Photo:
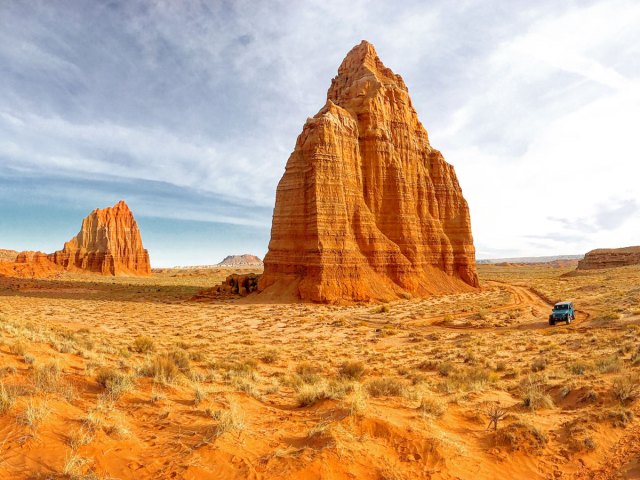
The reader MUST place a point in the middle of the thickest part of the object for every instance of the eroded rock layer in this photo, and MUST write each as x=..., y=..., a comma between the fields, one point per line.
x=109, y=243
x=610, y=257
x=366, y=208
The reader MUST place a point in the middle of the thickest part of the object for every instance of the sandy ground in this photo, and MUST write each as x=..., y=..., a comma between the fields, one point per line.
x=131, y=378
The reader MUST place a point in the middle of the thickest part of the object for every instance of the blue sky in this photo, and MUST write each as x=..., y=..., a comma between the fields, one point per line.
x=189, y=110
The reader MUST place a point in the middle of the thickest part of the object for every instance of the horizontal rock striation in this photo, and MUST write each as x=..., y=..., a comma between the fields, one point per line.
x=609, y=258
x=366, y=208
x=108, y=243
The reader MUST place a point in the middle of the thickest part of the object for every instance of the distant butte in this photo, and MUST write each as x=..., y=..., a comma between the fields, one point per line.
x=109, y=243
x=610, y=258
x=366, y=208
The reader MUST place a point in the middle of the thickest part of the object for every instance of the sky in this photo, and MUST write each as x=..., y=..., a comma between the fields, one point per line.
x=188, y=111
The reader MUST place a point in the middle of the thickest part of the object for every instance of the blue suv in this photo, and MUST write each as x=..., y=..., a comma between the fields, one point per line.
x=562, y=312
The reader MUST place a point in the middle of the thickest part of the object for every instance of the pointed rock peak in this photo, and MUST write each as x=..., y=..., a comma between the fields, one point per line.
x=362, y=55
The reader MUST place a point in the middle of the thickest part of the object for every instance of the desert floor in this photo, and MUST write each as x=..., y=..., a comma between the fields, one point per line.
x=131, y=378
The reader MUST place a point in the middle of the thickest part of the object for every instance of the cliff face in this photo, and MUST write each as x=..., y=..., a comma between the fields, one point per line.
x=109, y=243
x=366, y=208
x=610, y=257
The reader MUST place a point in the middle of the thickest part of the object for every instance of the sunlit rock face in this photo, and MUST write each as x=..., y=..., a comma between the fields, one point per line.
x=109, y=243
x=366, y=208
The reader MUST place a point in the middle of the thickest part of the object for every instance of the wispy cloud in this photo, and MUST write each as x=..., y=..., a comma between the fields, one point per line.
x=198, y=104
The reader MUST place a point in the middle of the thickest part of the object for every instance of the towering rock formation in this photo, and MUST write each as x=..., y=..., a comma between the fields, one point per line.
x=610, y=257
x=366, y=208
x=109, y=243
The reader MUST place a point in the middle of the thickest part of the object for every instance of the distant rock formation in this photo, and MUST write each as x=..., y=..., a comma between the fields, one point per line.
x=29, y=264
x=233, y=286
x=366, y=208
x=109, y=243
x=610, y=257
x=8, y=255
x=245, y=260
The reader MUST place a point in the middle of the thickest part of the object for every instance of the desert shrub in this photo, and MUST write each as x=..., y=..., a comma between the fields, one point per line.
x=29, y=359
x=534, y=396
x=162, y=368
x=46, y=378
x=522, y=436
x=501, y=366
x=310, y=394
x=580, y=368
x=269, y=356
x=431, y=406
x=446, y=368
x=610, y=364
x=358, y=401
x=180, y=358
x=228, y=420
x=116, y=383
x=199, y=394
x=539, y=364
x=7, y=398
x=385, y=387
x=620, y=417
x=589, y=396
x=18, y=348
x=143, y=344
x=34, y=413
x=626, y=387
x=308, y=372
x=353, y=370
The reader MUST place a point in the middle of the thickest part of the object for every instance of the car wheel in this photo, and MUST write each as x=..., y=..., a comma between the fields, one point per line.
x=568, y=320
x=552, y=323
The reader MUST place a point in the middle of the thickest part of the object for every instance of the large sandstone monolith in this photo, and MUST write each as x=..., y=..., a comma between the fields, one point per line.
x=366, y=208
x=109, y=243
x=609, y=258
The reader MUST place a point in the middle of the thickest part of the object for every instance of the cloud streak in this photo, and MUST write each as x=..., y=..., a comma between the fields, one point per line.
x=192, y=108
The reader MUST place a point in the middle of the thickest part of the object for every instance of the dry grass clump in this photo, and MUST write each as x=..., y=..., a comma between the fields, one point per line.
x=269, y=356
x=626, y=387
x=228, y=420
x=143, y=344
x=358, y=401
x=80, y=437
x=308, y=394
x=46, y=378
x=166, y=368
x=7, y=398
x=116, y=383
x=522, y=436
x=610, y=364
x=468, y=379
x=306, y=373
x=431, y=406
x=19, y=347
x=539, y=364
x=353, y=370
x=620, y=417
x=580, y=368
x=34, y=413
x=534, y=396
x=385, y=387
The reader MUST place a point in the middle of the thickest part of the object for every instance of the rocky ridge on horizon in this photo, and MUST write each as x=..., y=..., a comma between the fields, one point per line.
x=245, y=260
x=366, y=208
x=610, y=258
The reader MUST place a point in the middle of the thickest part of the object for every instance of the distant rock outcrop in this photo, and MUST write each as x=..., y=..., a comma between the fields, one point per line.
x=245, y=260
x=109, y=243
x=8, y=255
x=366, y=208
x=610, y=257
